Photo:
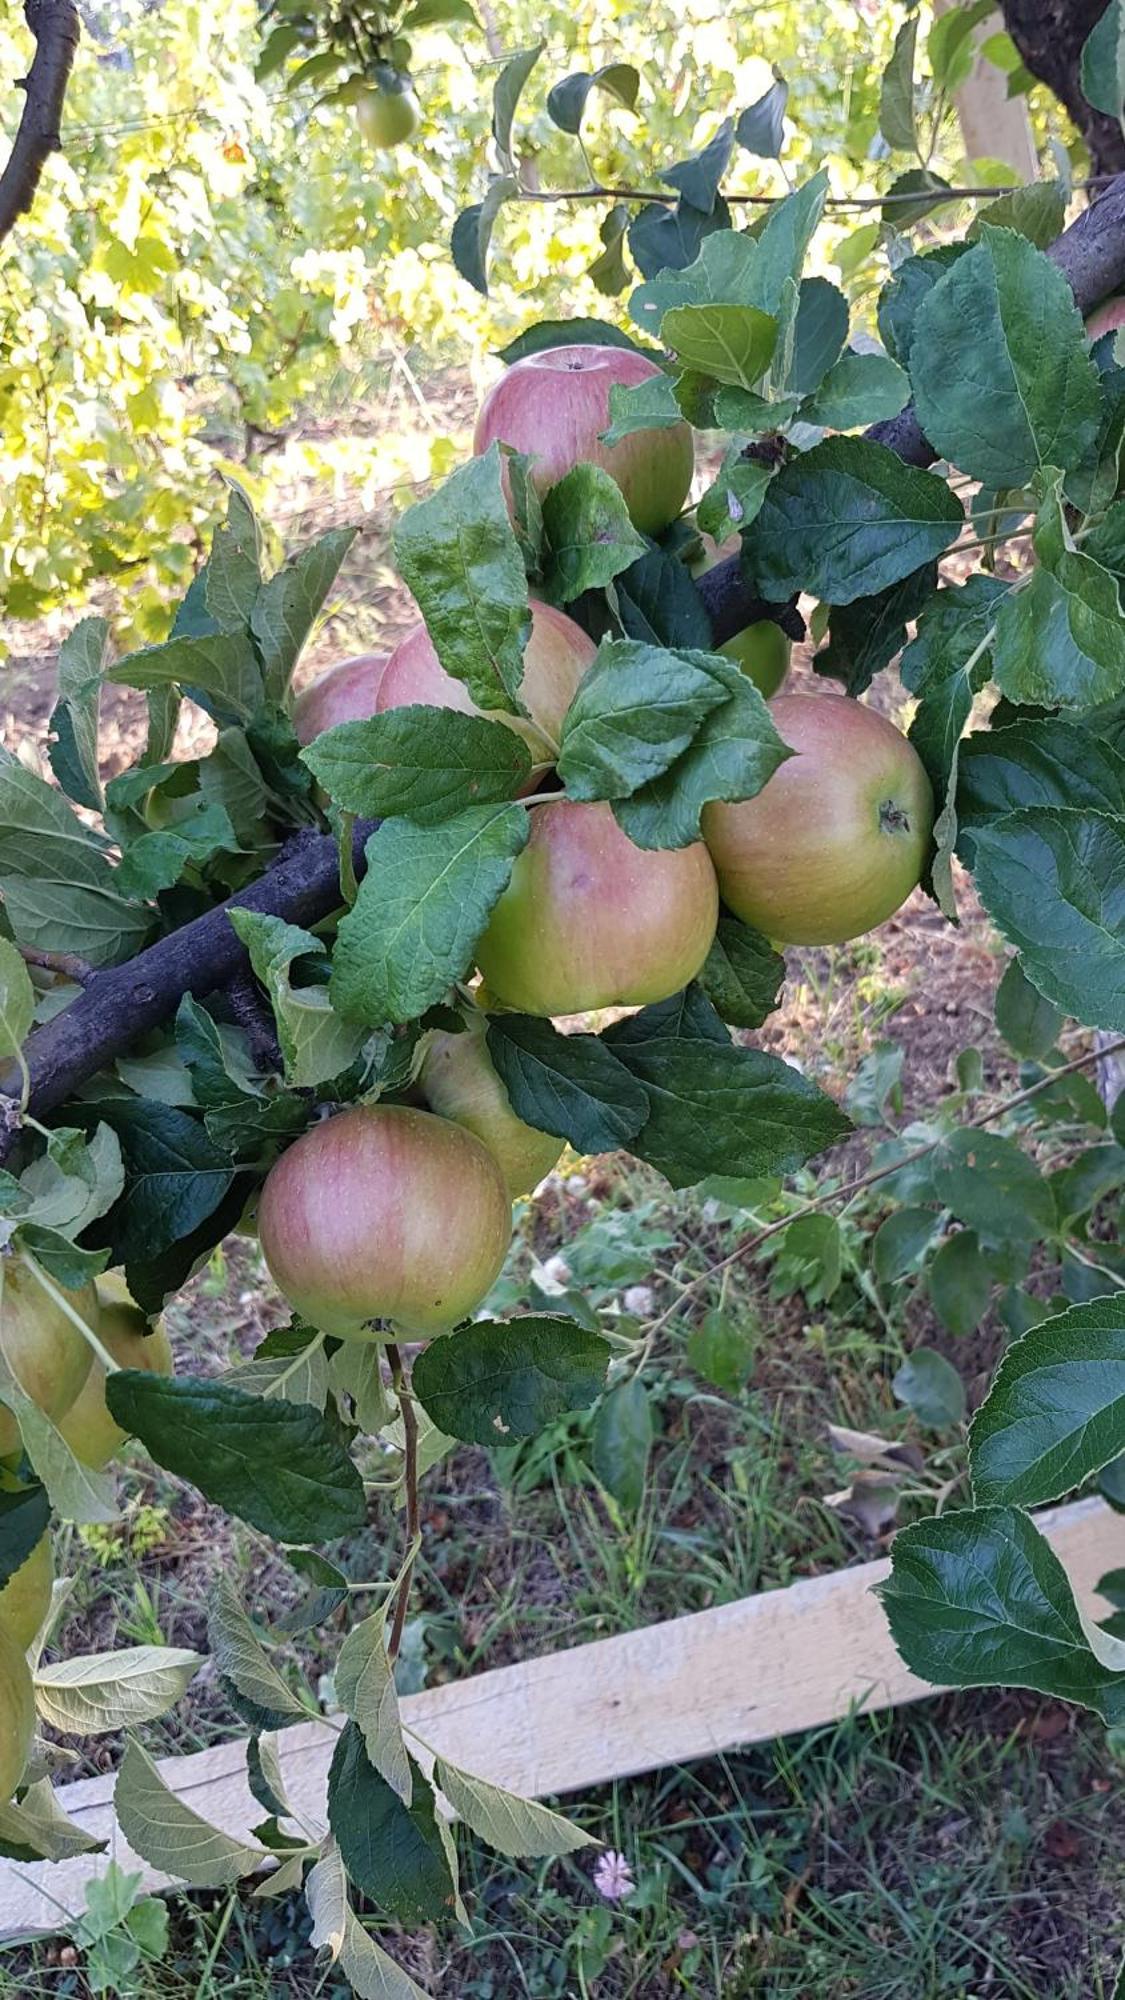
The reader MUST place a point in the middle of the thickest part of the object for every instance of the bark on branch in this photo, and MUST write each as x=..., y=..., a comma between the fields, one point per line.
x=54, y=23
x=122, y=1004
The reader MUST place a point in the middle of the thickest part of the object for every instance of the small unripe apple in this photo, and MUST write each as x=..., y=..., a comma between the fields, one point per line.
x=458, y=1081
x=388, y=1213
x=555, y=405
x=122, y=1328
x=26, y=1597
x=388, y=113
x=556, y=656
x=17, y=1714
x=762, y=649
x=837, y=838
x=43, y=1348
x=346, y=693
x=1106, y=318
x=589, y=920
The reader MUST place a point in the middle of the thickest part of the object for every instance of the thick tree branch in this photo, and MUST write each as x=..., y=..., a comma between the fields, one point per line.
x=1049, y=35
x=54, y=23
x=122, y=1004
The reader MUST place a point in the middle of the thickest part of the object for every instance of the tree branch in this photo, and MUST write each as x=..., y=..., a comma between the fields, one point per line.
x=54, y=23
x=127, y=1001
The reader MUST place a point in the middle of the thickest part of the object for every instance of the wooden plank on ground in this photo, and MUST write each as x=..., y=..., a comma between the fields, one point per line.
x=742, y=1673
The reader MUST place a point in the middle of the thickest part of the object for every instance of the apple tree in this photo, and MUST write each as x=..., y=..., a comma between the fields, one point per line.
x=320, y=983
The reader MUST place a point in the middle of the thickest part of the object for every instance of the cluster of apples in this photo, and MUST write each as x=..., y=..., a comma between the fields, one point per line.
x=56, y=1368
x=403, y=1215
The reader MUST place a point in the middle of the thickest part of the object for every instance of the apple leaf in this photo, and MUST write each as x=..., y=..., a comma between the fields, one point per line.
x=571, y=1085
x=590, y=538
x=645, y=406
x=1055, y=1413
x=510, y=1824
x=1050, y=879
x=498, y=1380
x=421, y=907
x=24, y=1517
x=165, y=1832
x=1060, y=638
x=392, y=1852
x=732, y=344
x=1002, y=376
x=858, y=389
x=424, y=764
x=991, y=1185
x=743, y=974
x=735, y=751
x=276, y=1464
x=1037, y=761
x=847, y=519
x=978, y=1598
x=946, y=665
x=637, y=709
x=458, y=553
x=717, y=1109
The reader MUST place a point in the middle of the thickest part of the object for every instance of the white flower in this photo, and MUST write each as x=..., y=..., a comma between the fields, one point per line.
x=613, y=1877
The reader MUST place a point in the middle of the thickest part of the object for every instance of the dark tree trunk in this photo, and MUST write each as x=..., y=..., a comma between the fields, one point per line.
x=1049, y=35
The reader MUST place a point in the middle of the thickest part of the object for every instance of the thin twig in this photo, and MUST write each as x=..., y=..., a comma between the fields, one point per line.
x=410, y=1476
x=66, y=963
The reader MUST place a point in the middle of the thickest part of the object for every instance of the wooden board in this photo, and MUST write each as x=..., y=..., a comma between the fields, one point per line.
x=742, y=1673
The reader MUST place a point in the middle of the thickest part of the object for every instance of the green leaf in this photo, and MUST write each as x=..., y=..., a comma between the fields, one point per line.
x=424, y=764
x=819, y=334
x=760, y=129
x=621, y=1442
x=697, y=180
x=590, y=538
x=609, y=271
x=568, y=333
x=912, y=196
x=847, y=519
x=1060, y=638
x=717, y=1109
x=992, y=1186
x=566, y=101
x=946, y=665
x=1037, y=212
x=901, y=297
x=960, y=1283
x=743, y=974
x=901, y=1242
x=896, y=96
x=242, y=1660
x=721, y=1349
x=651, y=405
x=232, y=576
x=637, y=709
x=864, y=637
x=24, y=1518
x=221, y=669
x=504, y=1821
x=364, y=1683
x=978, y=1598
x=458, y=554
x=735, y=751
x=1028, y=1023
x=471, y=236
x=94, y=1694
x=39, y=1825
x=571, y=1085
x=392, y=1852
x=657, y=601
x=782, y=243
x=17, y=1001
x=1102, y=68
x=810, y=1259
x=499, y=1380
x=733, y=344
x=506, y=94
x=165, y=1831
x=1055, y=1413
x=175, y=1177
x=316, y=1045
x=858, y=389
x=57, y=884
x=370, y=1973
x=74, y=719
x=288, y=606
x=1050, y=878
x=438, y=14
x=157, y=860
x=422, y=905
x=930, y=1386
x=733, y=501
x=1027, y=366
x=1037, y=761
x=278, y=1465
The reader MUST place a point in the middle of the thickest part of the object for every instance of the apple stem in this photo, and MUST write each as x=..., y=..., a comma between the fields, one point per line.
x=410, y=1476
x=60, y=1299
